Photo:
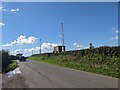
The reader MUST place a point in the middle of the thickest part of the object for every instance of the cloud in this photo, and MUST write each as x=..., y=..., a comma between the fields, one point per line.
x=86, y=47
x=78, y=46
x=23, y=40
x=2, y=24
x=24, y=51
x=6, y=45
x=14, y=10
x=9, y=10
x=3, y=9
x=115, y=38
x=48, y=46
x=116, y=31
x=44, y=46
x=15, y=51
x=33, y=49
x=74, y=44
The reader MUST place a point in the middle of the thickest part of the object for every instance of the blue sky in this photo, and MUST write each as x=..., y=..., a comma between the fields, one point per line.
x=83, y=23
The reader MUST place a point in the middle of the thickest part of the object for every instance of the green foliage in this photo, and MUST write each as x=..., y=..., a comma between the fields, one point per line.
x=102, y=60
x=5, y=59
x=11, y=66
x=12, y=57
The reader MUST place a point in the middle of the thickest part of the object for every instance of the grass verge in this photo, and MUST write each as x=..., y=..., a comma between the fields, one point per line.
x=103, y=69
x=11, y=66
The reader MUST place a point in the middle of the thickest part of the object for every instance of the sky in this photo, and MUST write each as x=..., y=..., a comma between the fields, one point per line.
x=25, y=23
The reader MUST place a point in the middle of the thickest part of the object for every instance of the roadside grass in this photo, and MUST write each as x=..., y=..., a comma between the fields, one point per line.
x=11, y=66
x=105, y=68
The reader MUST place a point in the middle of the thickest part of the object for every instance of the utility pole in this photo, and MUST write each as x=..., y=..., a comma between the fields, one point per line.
x=32, y=52
x=40, y=46
x=62, y=34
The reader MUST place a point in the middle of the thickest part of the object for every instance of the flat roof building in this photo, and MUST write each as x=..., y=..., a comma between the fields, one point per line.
x=58, y=49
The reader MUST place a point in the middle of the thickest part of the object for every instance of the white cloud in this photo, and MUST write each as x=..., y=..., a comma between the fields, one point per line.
x=86, y=47
x=116, y=31
x=78, y=46
x=48, y=46
x=35, y=49
x=6, y=45
x=3, y=9
x=9, y=10
x=23, y=40
x=44, y=46
x=17, y=51
x=25, y=50
x=14, y=42
x=2, y=24
x=14, y=10
x=74, y=44
x=115, y=38
x=31, y=49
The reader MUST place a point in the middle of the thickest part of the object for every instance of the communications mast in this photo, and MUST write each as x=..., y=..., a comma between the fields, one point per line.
x=62, y=35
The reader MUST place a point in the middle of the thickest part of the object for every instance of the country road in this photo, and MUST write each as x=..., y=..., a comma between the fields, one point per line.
x=0, y=81
x=40, y=75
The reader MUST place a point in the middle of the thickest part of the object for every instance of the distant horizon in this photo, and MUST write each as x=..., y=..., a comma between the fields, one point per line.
x=24, y=24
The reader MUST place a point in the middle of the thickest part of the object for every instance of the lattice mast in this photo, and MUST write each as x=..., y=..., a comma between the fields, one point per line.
x=62, y=35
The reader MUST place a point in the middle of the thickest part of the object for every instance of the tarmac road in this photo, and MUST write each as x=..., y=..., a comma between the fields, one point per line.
x=40, y=75
x=0, y=81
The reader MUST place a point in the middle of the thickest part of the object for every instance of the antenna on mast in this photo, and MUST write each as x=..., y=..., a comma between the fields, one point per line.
x=60, y=48
x=62, y=34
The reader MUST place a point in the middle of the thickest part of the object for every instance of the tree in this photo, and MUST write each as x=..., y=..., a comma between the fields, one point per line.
x=5, y=59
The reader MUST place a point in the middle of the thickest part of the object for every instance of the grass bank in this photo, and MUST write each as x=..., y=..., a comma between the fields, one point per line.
x=11, y=66
x=101, y=60
x=95, y=64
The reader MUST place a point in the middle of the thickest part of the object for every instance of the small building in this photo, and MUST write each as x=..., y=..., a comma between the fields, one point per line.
x=58, y=49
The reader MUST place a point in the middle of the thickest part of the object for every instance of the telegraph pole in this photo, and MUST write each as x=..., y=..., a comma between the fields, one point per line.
x=32, y=52
x=40, y=46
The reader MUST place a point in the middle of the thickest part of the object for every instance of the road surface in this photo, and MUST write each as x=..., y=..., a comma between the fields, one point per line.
x=40, y=75
x=0, y=81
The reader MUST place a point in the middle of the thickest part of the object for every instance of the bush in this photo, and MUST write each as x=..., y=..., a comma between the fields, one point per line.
x=5, y=59
x=11, y=66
